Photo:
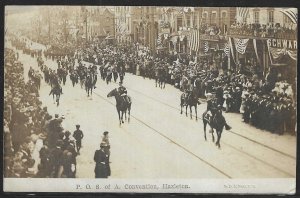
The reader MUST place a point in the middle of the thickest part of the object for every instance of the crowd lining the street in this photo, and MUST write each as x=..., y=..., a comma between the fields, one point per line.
x=265, y=102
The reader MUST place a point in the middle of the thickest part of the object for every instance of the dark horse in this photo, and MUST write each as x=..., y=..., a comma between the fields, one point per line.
x=89, y=84
x=216, y=122
x=190, y=100
x=123, y=104
x=56, y=91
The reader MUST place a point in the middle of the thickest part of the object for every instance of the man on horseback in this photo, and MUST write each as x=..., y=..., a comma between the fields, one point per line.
x=214, y=109
x=123, y=92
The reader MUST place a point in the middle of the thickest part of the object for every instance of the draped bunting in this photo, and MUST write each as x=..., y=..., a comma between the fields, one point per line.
x=205, y=46
x=241, y=45
x=159, y=39
x=226, y=49
x=279, y=52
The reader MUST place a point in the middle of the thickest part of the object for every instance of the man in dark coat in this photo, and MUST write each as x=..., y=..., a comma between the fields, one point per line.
x=78, y=135
x=100, y=157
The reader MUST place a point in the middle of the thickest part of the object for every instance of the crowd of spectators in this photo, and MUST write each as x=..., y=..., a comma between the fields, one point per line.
x=35, y=144
x=24, y=119
x=270, y=30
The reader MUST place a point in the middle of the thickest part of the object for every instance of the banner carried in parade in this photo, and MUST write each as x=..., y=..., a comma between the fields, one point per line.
x=241, y=45
x=281, y=47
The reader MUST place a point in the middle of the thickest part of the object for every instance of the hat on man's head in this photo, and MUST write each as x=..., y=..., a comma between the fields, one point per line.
x=105, y=132
x=77, y=125
x=56, y=115
x=103, y=144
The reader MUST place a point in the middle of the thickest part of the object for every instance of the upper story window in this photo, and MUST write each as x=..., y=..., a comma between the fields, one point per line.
x=179, y=23
x=271, y=16
x=256, y=17
x=214, y=18
x=205, y=16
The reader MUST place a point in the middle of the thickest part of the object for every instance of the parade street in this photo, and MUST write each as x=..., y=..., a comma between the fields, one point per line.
x=159, y=142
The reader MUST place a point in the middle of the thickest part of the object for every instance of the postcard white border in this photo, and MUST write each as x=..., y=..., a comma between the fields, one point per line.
x=244, y=186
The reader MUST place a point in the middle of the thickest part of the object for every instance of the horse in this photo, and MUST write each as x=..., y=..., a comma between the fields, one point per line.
x=216, y=122
x=56, y=91
x=89, y=84
x=122, y=104
x=190, y=100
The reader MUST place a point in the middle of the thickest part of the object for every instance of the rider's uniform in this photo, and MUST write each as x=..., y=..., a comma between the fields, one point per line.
x=123, y=92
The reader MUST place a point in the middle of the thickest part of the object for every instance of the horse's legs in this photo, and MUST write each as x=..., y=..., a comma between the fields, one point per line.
x=186, y=110
x=53, y=98
x=191, y=111
x=204, y=124
x=219, y=133
x=181, y=107
x=119, y=117
x=196, y=112
x=129, y=113
x=57, y=99
x=122, y=116
x=212, y=134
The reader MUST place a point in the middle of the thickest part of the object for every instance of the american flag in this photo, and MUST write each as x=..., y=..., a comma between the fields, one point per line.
x=242, y=14
x=194, y=41
x=292, y=13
